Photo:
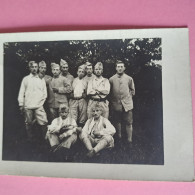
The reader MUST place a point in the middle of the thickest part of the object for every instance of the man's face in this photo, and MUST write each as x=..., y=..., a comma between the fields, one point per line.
x=64, y=68
x=120, y=68
x=56, y=71
x=96, y=113
x=34, y=68
x=80, y=73
x=89, y=70
x=98, y=71
x=63, y=113
x=42, y=69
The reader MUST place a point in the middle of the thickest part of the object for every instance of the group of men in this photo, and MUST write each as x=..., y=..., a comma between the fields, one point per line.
x=66, y=108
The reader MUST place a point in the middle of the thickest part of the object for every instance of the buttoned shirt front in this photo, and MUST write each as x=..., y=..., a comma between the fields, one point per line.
x=98, y=85
x=68, y=76
x=79, y=87
x=103, y=125
x=32, y=92
x=87, y=78
x=122, y=91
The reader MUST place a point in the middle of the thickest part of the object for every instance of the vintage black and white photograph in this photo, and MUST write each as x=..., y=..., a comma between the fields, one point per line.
x=97, y=101
x=110, y=104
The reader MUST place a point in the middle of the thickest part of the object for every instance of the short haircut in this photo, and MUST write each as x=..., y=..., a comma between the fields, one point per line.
x=63, y=107
x=97, y=106
x=119, y=62
x=81, y=67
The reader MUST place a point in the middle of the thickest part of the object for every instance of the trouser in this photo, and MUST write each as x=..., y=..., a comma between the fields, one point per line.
x=78, y=110
x=126, y=118
x=103, y=104
x=97, y=143
x=33, y=115
x=53, y=113
x=66, y=142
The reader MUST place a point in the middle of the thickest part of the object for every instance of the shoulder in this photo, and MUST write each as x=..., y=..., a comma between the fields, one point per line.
x=48, y=77
x=70, y=76
x=26, y=78
x=105, y=79
x=113, y=77
x=56, y=120
x=128, y=77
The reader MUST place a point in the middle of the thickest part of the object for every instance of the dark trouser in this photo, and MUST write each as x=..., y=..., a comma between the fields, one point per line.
x=126, y=118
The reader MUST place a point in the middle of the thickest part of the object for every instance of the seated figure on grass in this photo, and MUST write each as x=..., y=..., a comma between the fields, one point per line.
x=62, y=133
x=97, y=133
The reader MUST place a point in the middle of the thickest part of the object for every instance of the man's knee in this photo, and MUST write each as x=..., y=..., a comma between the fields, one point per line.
x=108, y=138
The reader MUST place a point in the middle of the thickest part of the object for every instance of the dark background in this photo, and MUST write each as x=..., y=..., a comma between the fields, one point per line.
x=142, y=58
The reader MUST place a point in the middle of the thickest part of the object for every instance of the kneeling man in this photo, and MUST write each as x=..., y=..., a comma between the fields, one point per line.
x=97, y=133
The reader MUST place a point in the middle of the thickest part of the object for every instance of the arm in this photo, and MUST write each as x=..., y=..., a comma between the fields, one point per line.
x=44, y=90
x=108, y=129
x=67, y=88
x=106, y=89
x=132, y=87
x=21, y=93
x=54, y=127
x=71, y=129
x=90, y=90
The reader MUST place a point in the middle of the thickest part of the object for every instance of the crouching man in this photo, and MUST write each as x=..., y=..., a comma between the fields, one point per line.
x=62, y=134
x=97, y=133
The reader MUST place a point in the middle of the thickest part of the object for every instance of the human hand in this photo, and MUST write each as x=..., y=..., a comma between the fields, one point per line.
x=79, y=129
x=21, y=109
x=61, y=136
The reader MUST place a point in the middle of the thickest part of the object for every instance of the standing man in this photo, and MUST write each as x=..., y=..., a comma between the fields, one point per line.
x=89, y=70
x=97, y=90
x=64, y=71
x=122, y=91
x=58, y=89
x=42, y=75
x=42, y=71
x=31, y=98
x=78, y=103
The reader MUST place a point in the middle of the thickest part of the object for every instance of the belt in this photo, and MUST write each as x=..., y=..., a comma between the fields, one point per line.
x=98, y=99
x=76, y=98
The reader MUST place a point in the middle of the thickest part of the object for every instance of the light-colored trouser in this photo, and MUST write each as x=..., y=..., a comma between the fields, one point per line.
x=31, y=114
x=103, y=104
x=97, y=144
x=78, y=110
x=66, y=142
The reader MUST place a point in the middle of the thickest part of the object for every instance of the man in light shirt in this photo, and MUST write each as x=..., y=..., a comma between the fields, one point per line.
x=64, y=71
x=78, y=103
x=97, y=133
x=31, y=98
x=89, y=72
x=62, y=134
x=122, y=92
x=58, y=89
x=97, y=90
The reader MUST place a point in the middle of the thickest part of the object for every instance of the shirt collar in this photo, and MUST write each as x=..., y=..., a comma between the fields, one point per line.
x=119, y=76
x=31, y=75
x=98, y=79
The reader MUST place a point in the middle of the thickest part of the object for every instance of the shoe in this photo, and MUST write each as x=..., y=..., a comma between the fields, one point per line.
x=91, y=153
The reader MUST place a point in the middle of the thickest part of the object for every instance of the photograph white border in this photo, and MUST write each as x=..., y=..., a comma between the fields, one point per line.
x=177, y=112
